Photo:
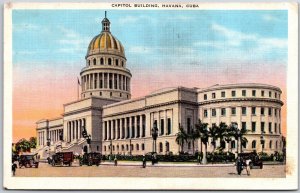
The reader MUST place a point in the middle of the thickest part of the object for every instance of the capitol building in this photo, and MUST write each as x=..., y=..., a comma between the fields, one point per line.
x=118, y=124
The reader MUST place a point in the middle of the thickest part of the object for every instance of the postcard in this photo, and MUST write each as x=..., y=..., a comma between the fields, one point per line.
x=152, y=96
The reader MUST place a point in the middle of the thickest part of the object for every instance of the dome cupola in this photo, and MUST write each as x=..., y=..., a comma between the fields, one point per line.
x=105, y=74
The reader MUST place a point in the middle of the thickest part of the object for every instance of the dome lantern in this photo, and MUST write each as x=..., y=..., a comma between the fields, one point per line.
x=105, y=24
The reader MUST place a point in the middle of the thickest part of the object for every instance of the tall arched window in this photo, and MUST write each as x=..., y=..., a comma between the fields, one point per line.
x=143, y=146
x=127, y=147
x=117, y=62
x=137, y=147
x=101, y=61
x=89, y=62
x=253, y=144
x=117, y=147
x=122, y=63
x=109, y=61
x=276, y=145
x=104, y=148
x=167, y=146
x=270, y=144
x=122, y=147
x=113, y=148
x=160, y=147
x=94, y=61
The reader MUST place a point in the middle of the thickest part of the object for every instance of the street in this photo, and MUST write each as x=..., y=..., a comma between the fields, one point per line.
x=134, y=169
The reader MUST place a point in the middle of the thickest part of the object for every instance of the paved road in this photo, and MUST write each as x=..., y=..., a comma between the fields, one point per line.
x=161, y=170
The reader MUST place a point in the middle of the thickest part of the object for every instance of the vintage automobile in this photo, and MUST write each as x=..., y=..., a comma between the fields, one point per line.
x=29, y=160
x=255, y=160
x=92, y=158
x=62, y=158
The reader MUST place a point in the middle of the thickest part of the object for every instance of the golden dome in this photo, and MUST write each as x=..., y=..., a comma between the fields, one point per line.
x=105, y=41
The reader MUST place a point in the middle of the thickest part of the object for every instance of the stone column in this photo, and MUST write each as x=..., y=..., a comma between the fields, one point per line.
x=125, y=123
x=136, y=126
x=102, y=80
x=98, y=80
x=121, y=128
x=113, y=80
x=107, y=80
x=118, y=82
x=125, y=83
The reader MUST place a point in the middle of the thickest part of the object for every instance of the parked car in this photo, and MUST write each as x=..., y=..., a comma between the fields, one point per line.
x=29, y=160
x=92, y=158
x=62, y=158
x=255, y=160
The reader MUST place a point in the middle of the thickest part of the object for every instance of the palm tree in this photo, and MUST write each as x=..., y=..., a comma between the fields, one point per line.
x=181, y=137
x=213, y=134
x=228, y=136
x=32, y=142
x=23, y=145
x=239, y=133
x=193, y=136
x=221, y=133
x=201, y=128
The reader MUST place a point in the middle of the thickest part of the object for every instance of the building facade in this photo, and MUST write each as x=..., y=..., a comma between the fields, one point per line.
x=118, y=124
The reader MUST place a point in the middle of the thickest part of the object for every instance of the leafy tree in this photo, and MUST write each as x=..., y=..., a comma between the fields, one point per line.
x=181, y=137
x=221, y=131
x=213, y=134
x=23, y=145
x=228, y=136
x=193, y=136
x=33, y=142
x=201, y=128
x=236, y=133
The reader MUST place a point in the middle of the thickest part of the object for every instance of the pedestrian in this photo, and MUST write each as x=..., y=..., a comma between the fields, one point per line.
x=239, y=165
x=248, y=161
x=116, y=161
x=199, y=159
x=14, y=168
x=144, y=161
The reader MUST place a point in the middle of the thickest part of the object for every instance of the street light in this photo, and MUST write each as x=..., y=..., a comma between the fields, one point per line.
x=237, y=137
x=262, y=142
x=48, y=144
x=154, y=133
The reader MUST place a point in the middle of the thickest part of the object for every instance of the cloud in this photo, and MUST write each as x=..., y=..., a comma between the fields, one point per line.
x=25, y=27
x=270, y=18
x=235, y=37
x=128, y=19
x=72, y=41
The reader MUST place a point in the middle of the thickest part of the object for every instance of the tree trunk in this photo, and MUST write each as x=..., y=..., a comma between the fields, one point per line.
x=204, y=160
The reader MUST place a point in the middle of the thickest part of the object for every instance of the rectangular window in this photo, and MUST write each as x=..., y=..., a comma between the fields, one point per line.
x=270, y=127
x=275, y=128
x=253, y=92
x=233, y=111
x=162, y=127
x=169, y=126
x=205, y=113
x=188, y=123
x=262, y=110
x=233, y=93
x=270, y=94
x=275, y=112
x=262, y=127
x=275, y=94
x=244, y=126
x=213, y=95
x=213, y=112
x=253, y=110
x=223, y=111
x=223, y=94
x=253, y=126
x=244, y=110
x=262, y=93
x=205, y=96
x=270, y=111
x=243, y=92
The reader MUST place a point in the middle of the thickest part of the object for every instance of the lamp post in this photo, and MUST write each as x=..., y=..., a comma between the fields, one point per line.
x=48, y=144
x=237, y=137
x=154, y=133
x=262, y=142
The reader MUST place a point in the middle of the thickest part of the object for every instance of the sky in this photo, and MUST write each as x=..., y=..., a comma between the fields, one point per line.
x=191, y=48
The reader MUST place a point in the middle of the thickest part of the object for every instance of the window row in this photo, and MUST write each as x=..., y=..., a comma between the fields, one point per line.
x=105, y=61
x=125, y=147
x=253, y=110
x=105, y=80
x=41, y=138
x=252, y=93
x=164, y=127
x=254, y=144
x=129, y=127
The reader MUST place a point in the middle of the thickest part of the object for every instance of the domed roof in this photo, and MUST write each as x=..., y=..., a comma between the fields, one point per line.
x=105, y=41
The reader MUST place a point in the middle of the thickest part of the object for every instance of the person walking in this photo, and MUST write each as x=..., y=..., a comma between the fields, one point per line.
x=239, y=165
x=144, y=161
x=116, y=161
x=14, y=168
x=248, y=161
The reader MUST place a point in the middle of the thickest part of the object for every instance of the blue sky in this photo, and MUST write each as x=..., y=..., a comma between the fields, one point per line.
x=153, y=38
